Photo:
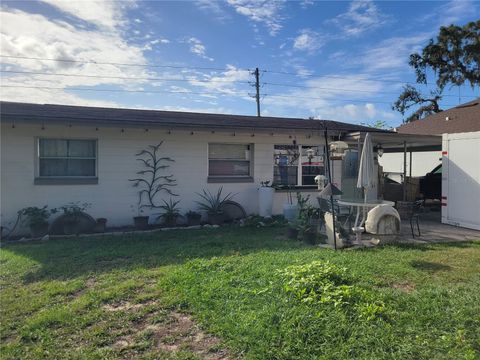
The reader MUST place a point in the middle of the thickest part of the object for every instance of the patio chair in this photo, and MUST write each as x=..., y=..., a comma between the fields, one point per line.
x=342, y=213
x=417, y=209
x=412, y=212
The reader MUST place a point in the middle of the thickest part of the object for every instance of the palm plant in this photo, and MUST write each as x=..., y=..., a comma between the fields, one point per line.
x=212, y=204
x=171, y=212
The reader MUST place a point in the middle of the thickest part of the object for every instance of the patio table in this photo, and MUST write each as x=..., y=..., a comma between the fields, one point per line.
x=362, y=207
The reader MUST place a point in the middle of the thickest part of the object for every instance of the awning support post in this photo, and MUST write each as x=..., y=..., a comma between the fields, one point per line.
x=404, y=171
x=410, y=168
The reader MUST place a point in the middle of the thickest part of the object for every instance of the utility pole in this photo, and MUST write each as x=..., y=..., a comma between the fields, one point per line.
x=256, y=73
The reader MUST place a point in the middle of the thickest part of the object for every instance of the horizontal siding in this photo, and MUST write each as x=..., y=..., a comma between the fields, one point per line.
x=113, y=196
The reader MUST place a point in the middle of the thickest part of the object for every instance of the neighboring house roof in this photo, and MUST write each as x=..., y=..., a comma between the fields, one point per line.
x=462, y=118
x=18, y=112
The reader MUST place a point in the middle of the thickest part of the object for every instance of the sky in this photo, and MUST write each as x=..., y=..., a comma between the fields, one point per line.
x=338, y=60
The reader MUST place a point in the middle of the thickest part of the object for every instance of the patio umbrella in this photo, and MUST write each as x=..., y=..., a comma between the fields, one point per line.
x=366, y=169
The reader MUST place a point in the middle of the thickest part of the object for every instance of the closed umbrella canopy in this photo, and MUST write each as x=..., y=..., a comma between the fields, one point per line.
x=366, y=169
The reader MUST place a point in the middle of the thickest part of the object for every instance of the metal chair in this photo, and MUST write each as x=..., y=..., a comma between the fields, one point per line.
x=341, y=212
x=417, y=209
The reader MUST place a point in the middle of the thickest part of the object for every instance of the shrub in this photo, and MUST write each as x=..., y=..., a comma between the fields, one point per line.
x=322, y=283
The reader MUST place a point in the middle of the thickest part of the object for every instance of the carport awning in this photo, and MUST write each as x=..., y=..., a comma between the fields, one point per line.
x=395, y=142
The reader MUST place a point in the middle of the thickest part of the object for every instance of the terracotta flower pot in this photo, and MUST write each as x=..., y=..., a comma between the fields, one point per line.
x=194, y=220
x=310, y=237
x=100, y=226
x=292, y=233
x=39, y=230
x=140, y=222
x=216, y=218
x=170, y=221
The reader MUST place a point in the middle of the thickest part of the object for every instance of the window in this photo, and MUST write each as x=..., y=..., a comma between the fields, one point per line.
x=296, y=165
x=61, y=158
x=229, y=161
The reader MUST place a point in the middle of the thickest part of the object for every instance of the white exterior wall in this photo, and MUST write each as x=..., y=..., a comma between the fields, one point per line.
x=422, y=162
x=461, y=180
x=113, y=196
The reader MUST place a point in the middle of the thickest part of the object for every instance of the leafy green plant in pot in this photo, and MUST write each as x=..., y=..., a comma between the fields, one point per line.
x=72, y=215
x=308, y=223
x=37, y=219
x=140, y=221
x=212, y=204
x=100, y=225
x=292, y=230
x=171, y=212
x=193, y=218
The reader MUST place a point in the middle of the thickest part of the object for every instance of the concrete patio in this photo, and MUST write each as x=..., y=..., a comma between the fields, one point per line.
x=432, y=230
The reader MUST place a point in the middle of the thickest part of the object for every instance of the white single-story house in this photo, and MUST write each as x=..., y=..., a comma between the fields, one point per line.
x=56, y=154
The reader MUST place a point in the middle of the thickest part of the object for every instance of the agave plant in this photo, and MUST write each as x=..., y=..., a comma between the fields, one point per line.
x=212, y=203
x=171, y=212
x=170, y=208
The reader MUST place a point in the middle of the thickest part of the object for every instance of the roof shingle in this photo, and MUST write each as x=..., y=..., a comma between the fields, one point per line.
x=12, y=111
x=462, y=118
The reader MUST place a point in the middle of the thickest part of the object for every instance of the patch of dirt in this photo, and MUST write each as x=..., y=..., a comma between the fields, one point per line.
x=126, y=306
x=177, y=332
x=180, y=332
x=404, y=287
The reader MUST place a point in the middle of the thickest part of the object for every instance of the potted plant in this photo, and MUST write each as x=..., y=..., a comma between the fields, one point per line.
x=309, y=219
x=37, y=219
x=193, y=218
x=292, y=230
x=73, y=212
x=265, y=199
x=101, y=225
x=171, y=212
x=140, y=221
x=212, y=204
x=290, y=210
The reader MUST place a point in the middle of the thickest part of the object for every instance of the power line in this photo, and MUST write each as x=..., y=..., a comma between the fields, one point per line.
x=340, y=77
x=117, y=90
x=343, y=89
x=191, y=81
x=121, y=77
x=187, y=93
x=340, y=100
x=120, y=64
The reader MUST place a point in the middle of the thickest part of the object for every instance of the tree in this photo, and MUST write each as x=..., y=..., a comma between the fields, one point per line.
x=454, y=58
x=412, y=97
x=377, y=124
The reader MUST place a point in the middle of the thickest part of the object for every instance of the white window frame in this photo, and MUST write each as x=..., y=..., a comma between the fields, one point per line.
x=300, y=166
x=231, y=178
x=45, y=179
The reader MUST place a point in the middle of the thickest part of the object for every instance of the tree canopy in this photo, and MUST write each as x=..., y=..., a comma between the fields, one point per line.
x=454, y=59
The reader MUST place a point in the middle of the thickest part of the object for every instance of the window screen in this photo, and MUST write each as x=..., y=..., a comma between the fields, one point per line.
x=64, y=158
x=228, y=160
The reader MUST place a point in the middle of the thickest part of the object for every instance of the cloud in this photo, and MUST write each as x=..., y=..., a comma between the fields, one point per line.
x=392, y=53
x=225, y=82
x=452, y=12
x=323, y=94
x=362, y=16
x=306, y=3
x=33, y=35
x=308, y=40
x=213, y=7
x=262, y=12
x=107, y=15
x=197, y=48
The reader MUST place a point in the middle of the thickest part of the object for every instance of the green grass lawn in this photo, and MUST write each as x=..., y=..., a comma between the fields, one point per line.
x=258, y=295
